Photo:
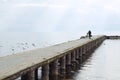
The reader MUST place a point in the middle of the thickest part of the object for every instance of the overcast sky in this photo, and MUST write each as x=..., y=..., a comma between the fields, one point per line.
x=61, y=16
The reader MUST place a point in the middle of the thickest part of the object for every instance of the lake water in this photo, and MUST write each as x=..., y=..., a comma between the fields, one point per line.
x=103, y=64
x=16, y=42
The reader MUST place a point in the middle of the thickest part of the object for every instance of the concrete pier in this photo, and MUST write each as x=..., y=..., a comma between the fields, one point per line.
x=56, y=61
x=113, y=37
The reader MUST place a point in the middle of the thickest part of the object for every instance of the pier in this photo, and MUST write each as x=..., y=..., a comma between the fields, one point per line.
x=113, y=37
x=55, y=61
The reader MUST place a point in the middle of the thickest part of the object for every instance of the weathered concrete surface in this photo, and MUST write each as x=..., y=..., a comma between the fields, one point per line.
x=20, y=63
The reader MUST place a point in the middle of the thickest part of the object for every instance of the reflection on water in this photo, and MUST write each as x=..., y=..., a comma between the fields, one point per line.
x=103, y=64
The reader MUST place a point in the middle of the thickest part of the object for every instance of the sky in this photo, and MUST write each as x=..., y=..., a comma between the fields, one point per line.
x=60, y=17
x=49, y=22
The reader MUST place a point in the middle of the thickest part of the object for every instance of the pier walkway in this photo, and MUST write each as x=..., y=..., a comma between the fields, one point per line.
x=54, y=60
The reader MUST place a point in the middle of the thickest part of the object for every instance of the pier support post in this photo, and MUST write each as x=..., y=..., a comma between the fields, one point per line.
x=53, y=70
x=88, y=48
x=83, y=53
x=78, y=57
x=73, y=60
x=77, y=54
x=45, y=72
x=36, y=74
x=28, y=76
x=68, y=63
x=62, y=66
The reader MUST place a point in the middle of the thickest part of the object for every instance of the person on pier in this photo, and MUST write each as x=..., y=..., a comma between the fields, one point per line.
x=89, y=34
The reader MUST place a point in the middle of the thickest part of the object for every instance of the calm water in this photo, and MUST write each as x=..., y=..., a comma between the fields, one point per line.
x=12, y=43
x=103, y=64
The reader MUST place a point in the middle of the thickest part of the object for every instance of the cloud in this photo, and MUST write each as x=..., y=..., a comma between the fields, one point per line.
x=4, y=0
x=61, y=15
x=31, y=5
x=83, y=11
x=112, y=9
x=45, y=4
